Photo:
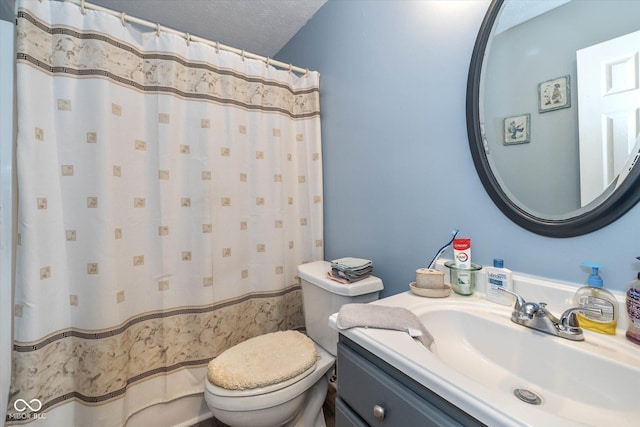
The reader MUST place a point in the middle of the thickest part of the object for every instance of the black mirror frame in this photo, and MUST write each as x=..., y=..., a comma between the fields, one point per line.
x=616, y=205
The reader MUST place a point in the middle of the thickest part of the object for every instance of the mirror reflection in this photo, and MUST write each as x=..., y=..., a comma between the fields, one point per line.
x=560, y=102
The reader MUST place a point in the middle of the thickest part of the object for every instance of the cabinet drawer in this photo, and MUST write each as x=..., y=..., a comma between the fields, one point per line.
x=381, y=400
x=345, y=417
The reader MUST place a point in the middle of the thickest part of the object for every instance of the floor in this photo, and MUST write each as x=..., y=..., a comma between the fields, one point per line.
x=328, y=409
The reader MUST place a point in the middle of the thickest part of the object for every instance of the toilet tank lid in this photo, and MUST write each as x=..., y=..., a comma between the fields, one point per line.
x=316, y=273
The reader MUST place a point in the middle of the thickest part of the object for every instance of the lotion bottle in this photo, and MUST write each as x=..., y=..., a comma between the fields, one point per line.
x=498, y=276
x=633, y=310
x=596, y=297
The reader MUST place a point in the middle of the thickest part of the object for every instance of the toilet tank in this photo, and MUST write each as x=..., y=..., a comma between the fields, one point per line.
x=322, y=297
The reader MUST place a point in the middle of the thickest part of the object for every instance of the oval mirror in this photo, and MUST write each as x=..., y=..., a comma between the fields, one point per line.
x=553, y=112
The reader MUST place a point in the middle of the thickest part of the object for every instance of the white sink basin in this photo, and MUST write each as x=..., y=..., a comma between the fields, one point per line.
x=594, y=382
x=479, y=358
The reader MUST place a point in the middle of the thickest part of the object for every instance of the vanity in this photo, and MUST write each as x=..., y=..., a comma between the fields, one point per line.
x=373, y=392
x=483, y=369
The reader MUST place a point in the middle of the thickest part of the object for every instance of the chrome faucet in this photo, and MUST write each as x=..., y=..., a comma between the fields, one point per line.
x=537, y=316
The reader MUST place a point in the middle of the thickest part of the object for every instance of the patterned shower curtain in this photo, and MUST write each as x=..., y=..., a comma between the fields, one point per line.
x=167, y=193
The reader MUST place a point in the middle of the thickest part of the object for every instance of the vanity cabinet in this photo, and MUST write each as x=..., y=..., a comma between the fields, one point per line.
x=373, y=393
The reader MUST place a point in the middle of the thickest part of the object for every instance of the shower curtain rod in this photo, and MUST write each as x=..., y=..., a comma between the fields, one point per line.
x=124, y=18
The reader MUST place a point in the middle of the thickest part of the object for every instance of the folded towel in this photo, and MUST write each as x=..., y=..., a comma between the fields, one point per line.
x=345, y=281
x=383, y=317
x=354, y=271
x=350, y=263
x=349, y=276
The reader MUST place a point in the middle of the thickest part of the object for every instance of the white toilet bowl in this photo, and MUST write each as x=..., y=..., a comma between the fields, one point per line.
x=295, y=402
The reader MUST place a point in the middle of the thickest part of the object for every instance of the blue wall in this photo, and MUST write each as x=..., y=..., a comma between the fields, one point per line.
x=398, y=174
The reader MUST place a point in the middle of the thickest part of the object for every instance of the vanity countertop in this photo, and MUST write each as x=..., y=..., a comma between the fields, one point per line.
x=472, y=378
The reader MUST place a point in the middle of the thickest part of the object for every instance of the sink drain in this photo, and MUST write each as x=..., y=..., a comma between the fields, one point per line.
x=527, y=396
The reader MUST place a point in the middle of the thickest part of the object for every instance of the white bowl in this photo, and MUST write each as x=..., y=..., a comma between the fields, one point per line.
x=430, y=292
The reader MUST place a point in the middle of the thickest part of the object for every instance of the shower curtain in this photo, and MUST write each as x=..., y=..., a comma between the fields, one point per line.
x=167, y=193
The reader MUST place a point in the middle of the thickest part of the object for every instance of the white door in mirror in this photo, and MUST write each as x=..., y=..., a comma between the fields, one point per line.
x=609, y=99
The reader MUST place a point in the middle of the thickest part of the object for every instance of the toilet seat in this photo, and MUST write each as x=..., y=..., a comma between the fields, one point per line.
x=250, y=409
x=256, y=399
x=223, y=392
x=263, y=362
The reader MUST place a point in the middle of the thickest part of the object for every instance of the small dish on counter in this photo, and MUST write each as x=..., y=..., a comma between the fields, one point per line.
x=430, y=292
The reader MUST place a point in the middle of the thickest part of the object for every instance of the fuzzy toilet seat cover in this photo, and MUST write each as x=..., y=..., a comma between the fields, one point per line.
x=263, y=360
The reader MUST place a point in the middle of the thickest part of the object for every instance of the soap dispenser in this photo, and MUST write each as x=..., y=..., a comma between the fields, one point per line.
x=594, y=296
x=633, y=310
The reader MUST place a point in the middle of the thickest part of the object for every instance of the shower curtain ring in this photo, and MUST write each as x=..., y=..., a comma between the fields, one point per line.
x=82, y=9
x=290, y=68
x=217, y=47
x=267, y=62
x=158, y=29
x=123, y=19
x=188, y=37
x=242, y=55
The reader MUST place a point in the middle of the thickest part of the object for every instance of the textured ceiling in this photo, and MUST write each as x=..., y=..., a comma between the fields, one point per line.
x=257, y=26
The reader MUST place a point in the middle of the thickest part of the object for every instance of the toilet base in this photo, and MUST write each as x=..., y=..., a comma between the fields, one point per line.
x=304, y=410
x=289, y=404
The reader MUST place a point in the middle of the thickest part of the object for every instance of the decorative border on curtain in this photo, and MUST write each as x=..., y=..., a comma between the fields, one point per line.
x=151, y=344
x=61, y=50
x=187, y=179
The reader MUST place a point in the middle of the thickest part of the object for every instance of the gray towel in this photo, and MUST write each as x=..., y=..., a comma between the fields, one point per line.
x=350, y=263
x=382, y=317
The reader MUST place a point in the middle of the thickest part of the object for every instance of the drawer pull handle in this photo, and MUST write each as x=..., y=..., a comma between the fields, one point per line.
x=378, y=412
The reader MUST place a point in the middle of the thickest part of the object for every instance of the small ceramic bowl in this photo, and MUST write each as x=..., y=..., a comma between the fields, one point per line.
x=430, y=293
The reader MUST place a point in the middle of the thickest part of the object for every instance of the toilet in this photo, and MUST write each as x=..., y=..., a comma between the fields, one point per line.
x=297, y=400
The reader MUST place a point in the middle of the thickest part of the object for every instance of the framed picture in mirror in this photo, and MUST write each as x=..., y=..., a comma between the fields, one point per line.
x=516, y=129
x=554, y=94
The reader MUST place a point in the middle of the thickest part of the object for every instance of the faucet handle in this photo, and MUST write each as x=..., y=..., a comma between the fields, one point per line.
x=569, y=320
x=520, y=302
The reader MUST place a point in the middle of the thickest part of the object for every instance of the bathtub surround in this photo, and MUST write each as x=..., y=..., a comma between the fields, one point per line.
x=168, y=193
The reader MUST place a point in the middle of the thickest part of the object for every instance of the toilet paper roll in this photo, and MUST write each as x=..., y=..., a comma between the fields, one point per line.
x=429, y=278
